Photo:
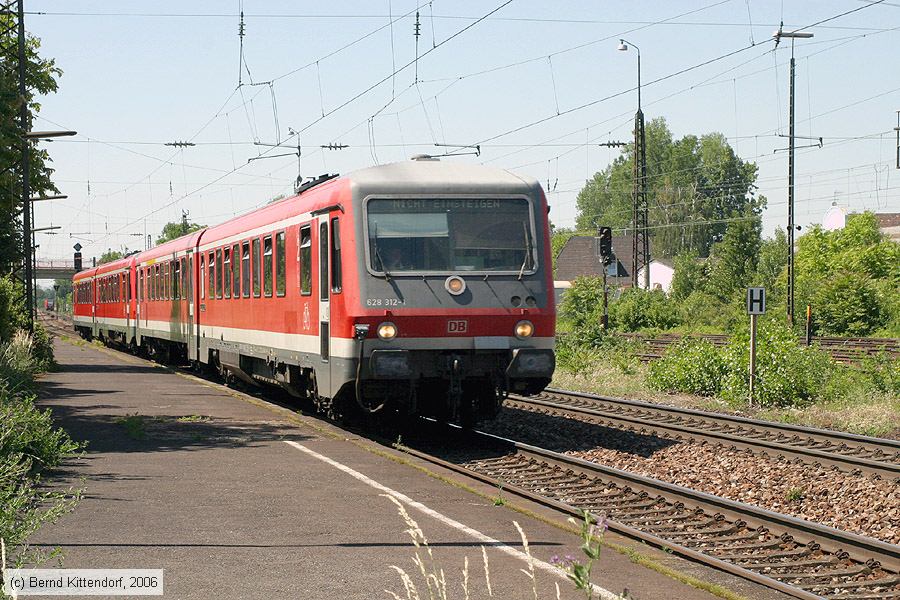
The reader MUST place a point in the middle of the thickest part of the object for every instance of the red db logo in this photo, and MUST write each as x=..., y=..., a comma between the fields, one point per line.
x=460, y=326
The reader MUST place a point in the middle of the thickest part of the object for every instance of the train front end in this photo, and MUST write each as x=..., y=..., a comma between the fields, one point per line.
x=456, y=305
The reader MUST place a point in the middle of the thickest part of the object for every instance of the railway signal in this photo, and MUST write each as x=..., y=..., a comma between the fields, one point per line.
x=604, y=253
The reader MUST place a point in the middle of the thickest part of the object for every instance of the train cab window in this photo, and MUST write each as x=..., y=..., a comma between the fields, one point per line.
x=280, y=264
x=211, y=265
x=236, y=270
x=305, y=260
x=335, y=256
x=267, y=265
x=257, y=267
x=245, y=269
x=323, y=260
x=226, y=274
x=219, y=273
x=176, y=281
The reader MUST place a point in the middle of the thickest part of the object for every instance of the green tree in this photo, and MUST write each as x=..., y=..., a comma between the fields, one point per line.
x=773, y=258
x=558, y=238
x=41, y=76
x=695, y=184
x=690, y=275
x=176, y=229
x=732, y=262
x=110, y=255
x=830, y=263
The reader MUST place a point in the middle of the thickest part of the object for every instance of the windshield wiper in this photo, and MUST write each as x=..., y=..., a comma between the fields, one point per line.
x=387, y=275
x=527, y=249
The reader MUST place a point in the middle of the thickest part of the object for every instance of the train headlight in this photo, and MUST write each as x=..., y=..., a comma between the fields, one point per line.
x=524, y=329
x=455, y=284
x=387, y=331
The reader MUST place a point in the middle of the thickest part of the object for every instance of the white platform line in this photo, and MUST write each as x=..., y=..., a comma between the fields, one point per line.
x=481, y=537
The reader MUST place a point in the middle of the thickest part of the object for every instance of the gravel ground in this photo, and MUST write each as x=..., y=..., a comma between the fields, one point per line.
x=858, y=503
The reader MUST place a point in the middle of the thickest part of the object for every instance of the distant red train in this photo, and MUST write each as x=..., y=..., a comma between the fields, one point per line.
x=422, y=287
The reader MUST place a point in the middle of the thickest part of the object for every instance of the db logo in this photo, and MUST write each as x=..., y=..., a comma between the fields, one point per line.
x=460, y=326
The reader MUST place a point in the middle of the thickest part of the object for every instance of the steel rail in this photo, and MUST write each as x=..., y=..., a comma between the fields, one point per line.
x=866, y=553
x=681, y=426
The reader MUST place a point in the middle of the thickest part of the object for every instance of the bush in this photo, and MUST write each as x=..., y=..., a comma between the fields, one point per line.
x=17, y=363
x=582, y=304
x=639, y=309
x=787, y=374
x=883, y=372
x=692, y=365
x=13, y=315
x=848, y=304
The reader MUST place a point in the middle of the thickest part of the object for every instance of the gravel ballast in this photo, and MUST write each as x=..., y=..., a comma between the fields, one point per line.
x=859, y=503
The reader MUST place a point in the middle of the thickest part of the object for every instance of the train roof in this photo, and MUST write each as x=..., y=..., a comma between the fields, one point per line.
x=438, y=175
x=185, y=242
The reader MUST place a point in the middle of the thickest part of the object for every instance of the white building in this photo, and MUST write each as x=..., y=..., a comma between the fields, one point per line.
x=661, y=273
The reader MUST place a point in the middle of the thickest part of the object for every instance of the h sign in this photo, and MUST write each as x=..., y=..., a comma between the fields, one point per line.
x=756, y=301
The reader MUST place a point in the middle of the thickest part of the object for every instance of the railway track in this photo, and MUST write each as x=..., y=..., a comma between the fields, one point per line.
x=802, y=559
x=805, y=560
x=835, y=449
x=846, y=350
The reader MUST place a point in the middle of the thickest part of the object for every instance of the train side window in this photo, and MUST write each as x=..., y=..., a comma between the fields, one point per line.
x=305, y=260
x=323, y=260
x=168, y=284
x=245, y=269
x=335, y=256
x=176, y=281
x=211, y=265
x=257, y=267
x=184, y=278
x=153, y=282
x=140, y=289
x=202, y=276
x=226, y=274
x=236, y=270
x=280, y=264
x=219, y=273
x=267, y=265
x=127, y=287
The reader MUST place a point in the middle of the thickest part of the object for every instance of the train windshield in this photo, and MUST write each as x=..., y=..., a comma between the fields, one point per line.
x=450, y=235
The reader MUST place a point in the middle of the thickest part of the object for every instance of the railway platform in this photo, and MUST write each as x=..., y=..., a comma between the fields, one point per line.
x=237, y=497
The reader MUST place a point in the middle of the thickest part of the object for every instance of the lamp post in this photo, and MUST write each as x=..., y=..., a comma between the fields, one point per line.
x=640, y=243
x=791, y=228
x=27, y=212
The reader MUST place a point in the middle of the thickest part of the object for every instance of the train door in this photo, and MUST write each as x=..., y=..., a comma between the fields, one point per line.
x=188, y=278
x=323, y=371
x=139, y=302
x=95, y=297
x=129, y=321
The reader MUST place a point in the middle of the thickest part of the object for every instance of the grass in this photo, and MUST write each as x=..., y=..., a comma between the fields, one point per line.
x=192, y=419
x=861, y=411
x=134, y=425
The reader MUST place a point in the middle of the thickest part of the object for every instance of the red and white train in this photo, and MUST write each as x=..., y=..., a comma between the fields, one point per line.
x=424, y=287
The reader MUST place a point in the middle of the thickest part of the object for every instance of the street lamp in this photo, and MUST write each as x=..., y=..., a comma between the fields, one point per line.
x=640, y=243
x=791, y=228
x=27, y=213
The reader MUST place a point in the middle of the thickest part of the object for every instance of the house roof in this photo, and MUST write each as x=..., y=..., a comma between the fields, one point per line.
x=578, y=258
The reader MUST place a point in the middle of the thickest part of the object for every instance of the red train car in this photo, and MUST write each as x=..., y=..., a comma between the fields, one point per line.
x=424, y=287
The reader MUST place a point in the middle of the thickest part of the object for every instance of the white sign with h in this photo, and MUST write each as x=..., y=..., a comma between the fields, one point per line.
x=756, y=301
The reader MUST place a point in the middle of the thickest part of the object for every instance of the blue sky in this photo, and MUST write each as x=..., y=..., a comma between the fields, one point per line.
x=138, y=75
